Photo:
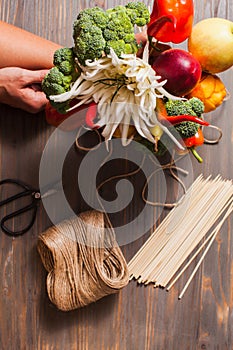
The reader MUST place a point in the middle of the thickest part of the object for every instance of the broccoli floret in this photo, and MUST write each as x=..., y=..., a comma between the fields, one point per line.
x=117, y=46
x=194, y=107
x=89, y=44
x=82, y=23
x=95, y=15
x=63, y=54
x=50, y=88
x=187, y=129
x=95, y=31
x=129, y=38
x=61, y=107
x=110, y=35
x=179, y=107
x=138, y=13
x=197, y=106
x=53, y=81
x=119, y=21
x=59, y=78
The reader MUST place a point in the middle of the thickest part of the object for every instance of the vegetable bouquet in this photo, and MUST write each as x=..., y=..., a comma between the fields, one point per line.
x=133, y=84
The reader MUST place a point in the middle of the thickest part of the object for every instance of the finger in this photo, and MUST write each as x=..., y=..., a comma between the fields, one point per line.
x=35, y=86
x=34, y=77
x=38, y=102
x=33, y=101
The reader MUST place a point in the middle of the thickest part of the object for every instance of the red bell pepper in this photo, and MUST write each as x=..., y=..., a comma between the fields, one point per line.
x=194, y=141
x=53, y=117
x=91, y=114
x=171, y=20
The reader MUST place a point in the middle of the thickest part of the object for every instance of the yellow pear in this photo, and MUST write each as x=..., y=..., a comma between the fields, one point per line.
x=211, y=43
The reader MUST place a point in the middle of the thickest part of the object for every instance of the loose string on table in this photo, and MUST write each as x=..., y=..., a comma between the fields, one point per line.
x=170, y=166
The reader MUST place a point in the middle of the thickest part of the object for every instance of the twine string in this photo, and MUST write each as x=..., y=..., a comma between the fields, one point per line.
x=83, y=261
x=217, y=139
x=171, y=166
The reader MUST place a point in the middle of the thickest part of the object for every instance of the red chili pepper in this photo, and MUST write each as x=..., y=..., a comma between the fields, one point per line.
x=164, y=118
x=194, y=141
x=176, y=119
x=171, y=20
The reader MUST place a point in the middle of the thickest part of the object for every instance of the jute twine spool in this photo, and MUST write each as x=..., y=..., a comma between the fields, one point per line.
x=83, y=260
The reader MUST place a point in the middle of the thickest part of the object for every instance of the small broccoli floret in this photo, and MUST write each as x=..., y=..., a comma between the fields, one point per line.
x=64, y=60
x=89, y=44
x=52, y=83
x=59, y=78
x=110, y=35
x=119, y=21
x=193, y=107
x=95, y=31
x=197, y=105
x=187, y=129
x=82, y=23
x=87, y=34
x=61, y=107
x=63, y=54
x=50, y=88
x=118, y=46
x=179, y=107
x=138, y=13
x=95, y=15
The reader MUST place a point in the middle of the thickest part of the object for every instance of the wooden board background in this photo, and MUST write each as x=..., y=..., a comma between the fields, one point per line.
x=137, y=318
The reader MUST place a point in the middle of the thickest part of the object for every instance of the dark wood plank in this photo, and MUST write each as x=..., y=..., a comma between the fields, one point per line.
x=137, y=318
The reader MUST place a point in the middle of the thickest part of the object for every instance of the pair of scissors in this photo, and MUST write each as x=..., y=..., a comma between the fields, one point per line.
x=34, y=196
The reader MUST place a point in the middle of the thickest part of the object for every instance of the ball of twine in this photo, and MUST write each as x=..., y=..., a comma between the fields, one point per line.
x=83, y=260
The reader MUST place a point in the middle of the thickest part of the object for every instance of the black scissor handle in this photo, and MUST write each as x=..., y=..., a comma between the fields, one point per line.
x=16, y=196
x=15, y=182
x=12, y=233
x=26, y=191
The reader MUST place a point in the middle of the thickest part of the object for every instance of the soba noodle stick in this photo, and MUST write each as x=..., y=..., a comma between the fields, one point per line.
x=170, y=244
x=174, y=244
x=201, y=228
x=146, y=248
x=180, y=255
x=162, y=255
x=216, y=230
x=186, y=249
x=194, y=255
x=158, y=246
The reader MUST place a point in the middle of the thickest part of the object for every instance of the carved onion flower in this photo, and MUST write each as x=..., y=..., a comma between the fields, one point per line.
x=125, y=89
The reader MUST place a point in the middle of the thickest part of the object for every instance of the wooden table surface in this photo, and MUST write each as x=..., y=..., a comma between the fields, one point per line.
x=138, y=318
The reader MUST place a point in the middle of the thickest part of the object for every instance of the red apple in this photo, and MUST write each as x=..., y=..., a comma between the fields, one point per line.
x=181, y=70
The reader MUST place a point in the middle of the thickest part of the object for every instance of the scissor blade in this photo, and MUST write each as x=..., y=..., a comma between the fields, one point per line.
x=51, y=189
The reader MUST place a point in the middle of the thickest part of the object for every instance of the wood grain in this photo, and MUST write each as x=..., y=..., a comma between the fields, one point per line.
x=137, y=318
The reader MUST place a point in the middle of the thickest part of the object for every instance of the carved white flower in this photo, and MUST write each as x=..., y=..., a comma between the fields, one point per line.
x=125, y=90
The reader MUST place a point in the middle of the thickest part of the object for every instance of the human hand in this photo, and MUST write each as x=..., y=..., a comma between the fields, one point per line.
x=20, y=88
